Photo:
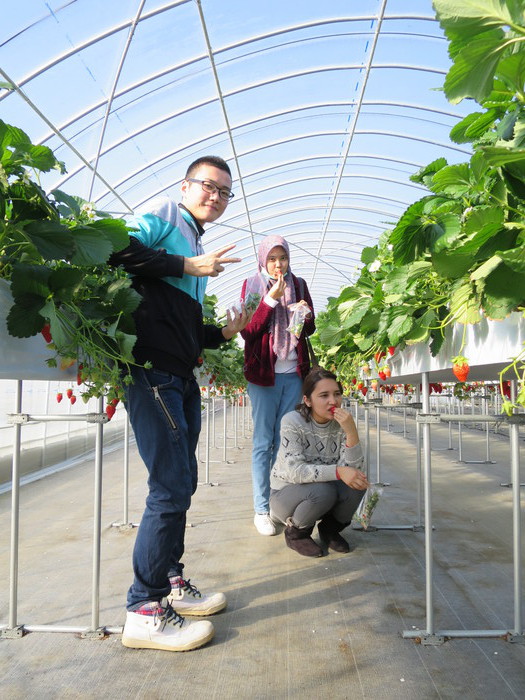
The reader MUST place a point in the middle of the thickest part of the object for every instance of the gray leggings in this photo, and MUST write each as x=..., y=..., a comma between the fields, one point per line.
x=305, y=504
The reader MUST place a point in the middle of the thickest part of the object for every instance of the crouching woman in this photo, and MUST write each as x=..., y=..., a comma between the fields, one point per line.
x=316, y=476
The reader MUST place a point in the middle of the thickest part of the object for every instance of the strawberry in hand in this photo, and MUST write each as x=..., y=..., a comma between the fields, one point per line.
x=460, y=367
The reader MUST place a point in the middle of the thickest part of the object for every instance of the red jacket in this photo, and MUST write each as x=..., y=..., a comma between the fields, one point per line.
x=259, y=357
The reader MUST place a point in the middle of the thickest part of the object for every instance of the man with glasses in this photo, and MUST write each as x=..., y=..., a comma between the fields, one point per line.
x=170, y=269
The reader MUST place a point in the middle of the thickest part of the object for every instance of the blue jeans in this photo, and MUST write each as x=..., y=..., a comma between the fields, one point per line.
x=165, y=414
x=269, y=405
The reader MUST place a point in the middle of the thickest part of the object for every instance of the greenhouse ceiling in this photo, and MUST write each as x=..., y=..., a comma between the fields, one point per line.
x=323, y=111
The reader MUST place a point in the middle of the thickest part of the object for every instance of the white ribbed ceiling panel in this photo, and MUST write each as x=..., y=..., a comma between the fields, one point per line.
x=323, y=111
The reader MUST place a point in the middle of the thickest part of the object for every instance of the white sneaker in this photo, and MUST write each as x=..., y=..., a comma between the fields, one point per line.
x=264, y=524
x=162, y=628
x=186, y=599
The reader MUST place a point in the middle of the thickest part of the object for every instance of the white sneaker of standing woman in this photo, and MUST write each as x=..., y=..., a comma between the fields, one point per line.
x=264, y=524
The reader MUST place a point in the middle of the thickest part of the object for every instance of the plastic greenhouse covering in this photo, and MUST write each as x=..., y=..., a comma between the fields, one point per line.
x=323, y=111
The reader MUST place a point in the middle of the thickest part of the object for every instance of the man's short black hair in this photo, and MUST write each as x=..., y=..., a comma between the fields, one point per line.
x=216, y=161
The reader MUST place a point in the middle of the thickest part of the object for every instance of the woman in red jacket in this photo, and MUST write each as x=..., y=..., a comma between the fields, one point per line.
x=275, y=360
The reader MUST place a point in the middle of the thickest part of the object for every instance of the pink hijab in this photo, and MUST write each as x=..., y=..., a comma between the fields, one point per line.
x=261, y=283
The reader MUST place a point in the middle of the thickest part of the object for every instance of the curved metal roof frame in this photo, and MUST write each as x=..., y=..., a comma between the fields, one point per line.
x=289, y=152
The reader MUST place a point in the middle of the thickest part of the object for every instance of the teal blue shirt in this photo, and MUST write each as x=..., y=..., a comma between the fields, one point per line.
x=173, y=229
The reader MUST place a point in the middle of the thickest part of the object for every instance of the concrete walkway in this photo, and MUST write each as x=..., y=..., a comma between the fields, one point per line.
x=294, y=628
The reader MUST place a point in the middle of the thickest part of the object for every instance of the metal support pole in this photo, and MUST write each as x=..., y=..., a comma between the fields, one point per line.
x=367, y=440
x=124, y=524
x=13, y=630
x=224, y=424
x=378, y=445
x=516, y=524
x=427, y=485
x=213, y=421
x=97, y=527
x=235, y=413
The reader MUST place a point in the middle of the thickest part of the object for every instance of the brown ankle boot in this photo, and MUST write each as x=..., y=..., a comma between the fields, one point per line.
x=300, y=541
x=329, y=529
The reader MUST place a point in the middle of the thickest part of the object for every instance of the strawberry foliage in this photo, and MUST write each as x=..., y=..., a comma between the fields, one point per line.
x=54, y=250
x=458, y=253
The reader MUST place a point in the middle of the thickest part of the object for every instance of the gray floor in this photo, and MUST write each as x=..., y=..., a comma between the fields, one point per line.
x=294, y=627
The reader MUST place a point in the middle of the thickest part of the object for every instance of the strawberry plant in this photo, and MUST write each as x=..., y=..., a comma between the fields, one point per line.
x=458, y=254
x=54, y=250
x=222, y=366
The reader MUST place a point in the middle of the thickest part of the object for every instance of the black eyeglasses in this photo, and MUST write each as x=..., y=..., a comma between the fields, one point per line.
x=211, y=188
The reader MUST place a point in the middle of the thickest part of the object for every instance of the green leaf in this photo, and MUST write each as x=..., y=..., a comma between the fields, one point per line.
x=470, y=17
x=496, y=156
x=448, y=232
x=420, y=331
x=368, y=255
x=359, y=309
x=511, y=70
x=126, y=342
x=41, y=158
x=13, y=136
x=92, y=248
x=62, y=330
x=72, y=207
x=331, y=335
x=414, y=230
x=484, y=270
x=401, y=324
x=515, y=259
x=65, y=281
x=370, y=322
x=437, y=341
x=451, y=265
x=30, y=279
x=465, y=304
x=125, y=301
x=504, y=291
x=473, y=126
x=363, y=342
x=453, y=180
x=472, y=74
x=115, y=231
x=52, y=240
x=402, y=276
x=23, y=322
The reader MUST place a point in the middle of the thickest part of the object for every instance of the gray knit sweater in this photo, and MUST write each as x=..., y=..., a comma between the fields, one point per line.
x=311, y=452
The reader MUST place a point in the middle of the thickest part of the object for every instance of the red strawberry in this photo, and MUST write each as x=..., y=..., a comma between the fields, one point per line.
x=391, y=349
x=332, y=409
x=110, y=411
x=360, y=385
x=460, y=367
x=114, y=402
x=364, y=390
x=382, y=375
x=79, y=374
x=379, y=356
x=354, y=380
x=73, y=399
x=69, y=393
x=199, y=361
x=59, y=397
x=46, y=332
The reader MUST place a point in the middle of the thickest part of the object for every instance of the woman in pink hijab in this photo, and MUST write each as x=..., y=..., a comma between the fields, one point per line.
x=275, y=360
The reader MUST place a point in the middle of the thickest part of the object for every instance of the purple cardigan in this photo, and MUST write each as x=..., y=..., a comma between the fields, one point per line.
x=259, y=357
